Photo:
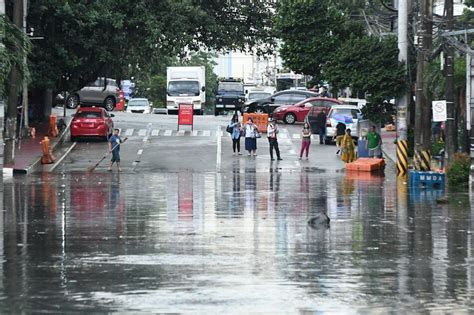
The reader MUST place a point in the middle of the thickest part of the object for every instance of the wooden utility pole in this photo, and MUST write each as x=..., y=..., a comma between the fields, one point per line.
x=451, y=134
x=13, y=89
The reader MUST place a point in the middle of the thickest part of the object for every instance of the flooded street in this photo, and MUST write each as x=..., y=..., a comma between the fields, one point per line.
x=233, y=242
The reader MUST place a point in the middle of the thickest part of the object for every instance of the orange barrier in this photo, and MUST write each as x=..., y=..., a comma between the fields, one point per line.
x=47, y=157
x=53, y=128
x=120, y=104
x=366, y=165
x=261, y=120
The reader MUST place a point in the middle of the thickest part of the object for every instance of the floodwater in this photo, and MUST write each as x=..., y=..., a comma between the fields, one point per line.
x=235, y=242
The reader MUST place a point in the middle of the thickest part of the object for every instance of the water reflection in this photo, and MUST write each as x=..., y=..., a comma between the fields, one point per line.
x=236, y=240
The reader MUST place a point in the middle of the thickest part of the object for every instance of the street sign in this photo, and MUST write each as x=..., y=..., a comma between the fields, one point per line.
x=439, y=111
x=185, y=115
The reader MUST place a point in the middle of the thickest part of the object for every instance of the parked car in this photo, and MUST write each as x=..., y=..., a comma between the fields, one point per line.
x=348, y=114
x=91, y=122
x=139, y=105
x=269, y=104
x=96, y=93
x=298, y=112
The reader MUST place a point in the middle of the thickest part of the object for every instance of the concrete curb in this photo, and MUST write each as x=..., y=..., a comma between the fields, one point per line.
x=37, y=163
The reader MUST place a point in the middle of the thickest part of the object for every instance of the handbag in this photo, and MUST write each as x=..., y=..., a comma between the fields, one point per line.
x=257, y=134
x=229, y=129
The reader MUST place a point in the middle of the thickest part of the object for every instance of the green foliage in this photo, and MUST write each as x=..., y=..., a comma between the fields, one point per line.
x=458, y=170
x=435, y=77
x=436, y=147
x=125, y=38
x=16, y=45
x=311, y=31
x=369, y=64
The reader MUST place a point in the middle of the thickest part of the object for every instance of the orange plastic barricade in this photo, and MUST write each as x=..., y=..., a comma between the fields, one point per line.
x=53, y=128
x=366, y=165
x=261, y=120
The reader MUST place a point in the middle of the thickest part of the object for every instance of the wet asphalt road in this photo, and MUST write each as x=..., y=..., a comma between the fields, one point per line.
x=189, y=230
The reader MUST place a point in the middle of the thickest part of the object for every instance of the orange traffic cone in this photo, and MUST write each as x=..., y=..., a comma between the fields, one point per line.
x=47, y=157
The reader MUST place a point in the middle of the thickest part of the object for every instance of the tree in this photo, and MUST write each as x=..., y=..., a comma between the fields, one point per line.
x=368, y=64
x=311, y=31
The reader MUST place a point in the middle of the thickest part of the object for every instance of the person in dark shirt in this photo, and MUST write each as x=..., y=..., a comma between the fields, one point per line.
x=340, y=132
x=321, y=125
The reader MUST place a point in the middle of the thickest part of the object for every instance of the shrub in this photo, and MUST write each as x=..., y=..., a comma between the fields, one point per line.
x=436, y=148
x=458, y=170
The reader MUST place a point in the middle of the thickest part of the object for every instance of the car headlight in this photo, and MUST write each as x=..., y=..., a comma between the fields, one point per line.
x=220, y=100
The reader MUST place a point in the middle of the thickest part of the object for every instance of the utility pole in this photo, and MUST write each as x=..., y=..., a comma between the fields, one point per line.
x=2, y=104
x=25, y=110
x=451, y=135
x=427, y=112
x=402, y=102
x=422, y=159
x=13, y=88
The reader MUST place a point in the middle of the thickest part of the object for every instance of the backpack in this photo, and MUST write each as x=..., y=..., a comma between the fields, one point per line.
x=229, y=129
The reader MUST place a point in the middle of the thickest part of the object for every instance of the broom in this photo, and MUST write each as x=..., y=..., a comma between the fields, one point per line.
x=92, y=168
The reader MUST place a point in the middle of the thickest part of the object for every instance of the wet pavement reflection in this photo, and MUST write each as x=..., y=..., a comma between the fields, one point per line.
x=233, y=242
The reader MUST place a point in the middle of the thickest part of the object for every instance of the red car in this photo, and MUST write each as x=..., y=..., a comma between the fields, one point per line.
x=293, y=113
x=91, y=122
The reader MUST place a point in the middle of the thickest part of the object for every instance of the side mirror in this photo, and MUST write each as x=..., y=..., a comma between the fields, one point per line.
x=246, y=91
x=203, y=89
x=112, y=115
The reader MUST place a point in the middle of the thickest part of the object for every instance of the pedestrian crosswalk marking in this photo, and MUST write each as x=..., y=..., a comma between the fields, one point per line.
x=155, y=132
x=206, y=133
x=168, y=133
x=283, y=136
x=180, y=133
x=129, y=132
x=142, y=132
x=296, y=136
x=313, y=137
x=194, y=133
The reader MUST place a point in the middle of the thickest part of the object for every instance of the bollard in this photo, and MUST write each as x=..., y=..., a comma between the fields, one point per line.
x=47, y=157
x=53, y=128
x=402, y=157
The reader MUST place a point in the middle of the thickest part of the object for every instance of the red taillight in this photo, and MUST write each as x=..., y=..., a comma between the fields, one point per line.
x=328, y=123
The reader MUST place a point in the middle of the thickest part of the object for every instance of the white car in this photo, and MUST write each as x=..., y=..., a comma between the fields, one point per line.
x=139, y=105
x=347, y=114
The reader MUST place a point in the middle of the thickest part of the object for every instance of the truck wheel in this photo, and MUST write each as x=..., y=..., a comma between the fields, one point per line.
x=216, y=112
x=290, y=118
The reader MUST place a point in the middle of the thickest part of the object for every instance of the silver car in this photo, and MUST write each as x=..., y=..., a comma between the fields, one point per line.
x=96, y=93
x=139, y=105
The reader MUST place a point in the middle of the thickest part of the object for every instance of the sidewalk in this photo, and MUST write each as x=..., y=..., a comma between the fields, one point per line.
x=28, y=151
x=389, y=147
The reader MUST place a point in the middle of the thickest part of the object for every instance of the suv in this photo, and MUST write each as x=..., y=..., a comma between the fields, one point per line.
x=96, y=93
x=230, y=95
x=269, y=104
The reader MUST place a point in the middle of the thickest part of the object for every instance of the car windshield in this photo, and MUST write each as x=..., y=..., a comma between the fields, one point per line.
x=88, y=115
x=138, y=103
x=175, y=88
x=354, y=113
x=257, y=96
x=230, y=87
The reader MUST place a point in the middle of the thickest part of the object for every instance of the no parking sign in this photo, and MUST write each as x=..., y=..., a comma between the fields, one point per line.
x=439, y=111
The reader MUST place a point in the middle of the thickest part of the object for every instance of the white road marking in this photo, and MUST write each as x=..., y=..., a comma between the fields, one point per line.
x=292, y=152
x=62, y=158
x=194, y=133
x=129, y=132
x=168, y=133
x=140, y=152
x=180, y=133
x=296, y=136
x=142, y=132
x=145, y=139
x=219, y=149
x=283, y=136
x=313, y=137
x=207, y=133
x=155, y=132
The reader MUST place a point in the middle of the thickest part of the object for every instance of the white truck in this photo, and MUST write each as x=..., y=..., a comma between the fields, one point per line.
x=185, y=85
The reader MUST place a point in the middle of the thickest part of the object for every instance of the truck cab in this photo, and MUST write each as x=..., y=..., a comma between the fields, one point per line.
x=186, y=85
x=230, y=95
